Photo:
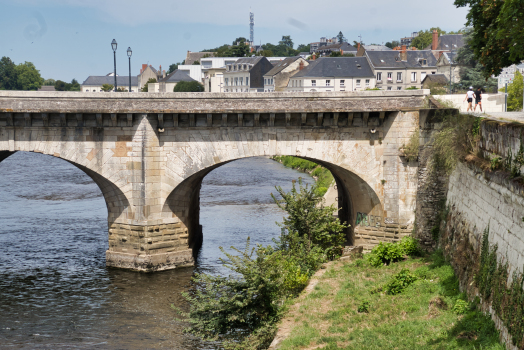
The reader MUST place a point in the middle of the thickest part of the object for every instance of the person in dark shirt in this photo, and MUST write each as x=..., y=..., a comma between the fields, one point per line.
x=478, y=99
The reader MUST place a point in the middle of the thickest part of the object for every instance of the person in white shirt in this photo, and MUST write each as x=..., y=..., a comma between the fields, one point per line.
x=469, y=96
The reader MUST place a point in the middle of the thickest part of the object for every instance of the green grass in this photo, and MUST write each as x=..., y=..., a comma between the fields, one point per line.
x=420, y=317
x=323, y=175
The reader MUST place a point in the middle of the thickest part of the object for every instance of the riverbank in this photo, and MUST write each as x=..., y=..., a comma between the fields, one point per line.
x=347, y=309
x=322, y=176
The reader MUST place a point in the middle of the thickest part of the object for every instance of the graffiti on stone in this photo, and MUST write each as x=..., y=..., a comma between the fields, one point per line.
x=364, y=219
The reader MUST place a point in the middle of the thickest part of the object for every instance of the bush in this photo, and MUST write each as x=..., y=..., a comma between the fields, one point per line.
x=399, y=282
x=460, y=307
x=410, y=151
x=364, y=306
x=410, y=245
x=385, y=253
x=188, y=86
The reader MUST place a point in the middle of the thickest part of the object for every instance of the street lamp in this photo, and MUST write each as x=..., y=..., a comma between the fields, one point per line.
x=129, y=52
x=113, y=46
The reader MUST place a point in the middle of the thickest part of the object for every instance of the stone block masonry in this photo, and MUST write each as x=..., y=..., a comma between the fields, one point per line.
x=149, y=153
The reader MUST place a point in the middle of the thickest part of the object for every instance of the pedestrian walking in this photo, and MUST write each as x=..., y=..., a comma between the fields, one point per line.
x=469, y=96
x=478, y=99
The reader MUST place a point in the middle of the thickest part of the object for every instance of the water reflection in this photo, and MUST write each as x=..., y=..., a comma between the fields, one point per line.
x=55, y=291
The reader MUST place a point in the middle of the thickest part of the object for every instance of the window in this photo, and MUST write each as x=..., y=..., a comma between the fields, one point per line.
x=226, y=80
x=413, y=77
x=390, y=76
x=367, y=82
x=389, y=87
x=241, y=81
x=247, y=81
x=422, y=76
x=271, y=81
x=342, y=81
x=236, y=81
x=328, y=82
x=244, y=67
x=265, y=81
x=399, y=76
x=313, y=83
x=379, y=76
x=358, y=82
x=399, y=87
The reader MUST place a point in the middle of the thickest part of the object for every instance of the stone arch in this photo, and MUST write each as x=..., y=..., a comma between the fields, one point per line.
x=116, y=201
x=354, y=193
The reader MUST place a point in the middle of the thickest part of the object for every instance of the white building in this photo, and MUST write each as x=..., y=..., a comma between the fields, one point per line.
x=246, y=74
x=94, y=83
x=508, y=74
x=329, y=74
x=168, y=83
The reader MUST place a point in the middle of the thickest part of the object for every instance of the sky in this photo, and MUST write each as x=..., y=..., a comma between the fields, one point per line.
x=68, y=39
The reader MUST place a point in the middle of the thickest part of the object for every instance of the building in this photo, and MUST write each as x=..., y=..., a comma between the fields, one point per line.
x=94, y=83
x=277, y=78
x=445, y=43
x=148, y=72
x=343, y=48
x=447, y=65
x=435, y=81
x=315, y=46
x=246, y=74
x=168, y=83
x=398, y=70
x=508, y=74
x=193, y=57
x=409, y=39
x=328, y=74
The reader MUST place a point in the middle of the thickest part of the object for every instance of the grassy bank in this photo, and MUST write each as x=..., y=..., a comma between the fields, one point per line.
x=354, y=306
x=323, y=176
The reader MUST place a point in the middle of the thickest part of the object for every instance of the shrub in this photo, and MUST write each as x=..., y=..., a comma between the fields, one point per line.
x=399, y=282
x=188, y=86
x=410, y=151
x=460, y=307
x=410, y=245
x=385, y=253
x=364, y=306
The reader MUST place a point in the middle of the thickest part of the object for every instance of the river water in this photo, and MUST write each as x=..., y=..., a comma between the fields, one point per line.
x=55, y=290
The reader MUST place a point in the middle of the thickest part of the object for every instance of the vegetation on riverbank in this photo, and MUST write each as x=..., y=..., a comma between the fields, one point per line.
x=323, y=176
x=242, y=310
x=411, y=304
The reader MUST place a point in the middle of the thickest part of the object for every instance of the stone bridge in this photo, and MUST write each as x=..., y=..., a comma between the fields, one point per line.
x=149, y=153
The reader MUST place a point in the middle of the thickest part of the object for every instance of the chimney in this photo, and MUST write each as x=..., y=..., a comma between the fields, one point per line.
x=160, y=68
x=144, y=66
x=358, y=46
x=314, y=57
x=163, y=73
x=403, y=54
x=434, y=44
x=301, y=65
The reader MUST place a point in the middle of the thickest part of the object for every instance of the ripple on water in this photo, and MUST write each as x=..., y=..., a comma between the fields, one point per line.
x=55, y=290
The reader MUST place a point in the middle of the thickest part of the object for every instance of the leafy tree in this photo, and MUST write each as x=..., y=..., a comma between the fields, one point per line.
x=173, y=67
x=392, y=44
x=238, y=51
x=8, y=78
x=151, y=80
x=60, y=85
x=472, y=72
x=335, y=54
x=188, y=86
x=425, y=38
x=196, y=63
x=515, y=92
x=341, y=37
x=75, y=85
x=497, y=38
x=63, y=86
x=49, y=82
x=28, y=77
x=286, y=41
x=239, y=41
x=303, y=48
x=265, y=53
x=108, y=87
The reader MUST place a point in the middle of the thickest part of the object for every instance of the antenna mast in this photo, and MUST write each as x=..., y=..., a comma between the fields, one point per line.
x=251, y=27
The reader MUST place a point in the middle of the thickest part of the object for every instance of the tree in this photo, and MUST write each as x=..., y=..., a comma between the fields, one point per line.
x=108, y=87
x=303, y=48
x=286, y=41
x=515, y=91
x=497, y=38
x=60, y=85
x=265, y=53
x=392, y=44
x=49, y=82
x=63, y=86
x=188, y=86
x=172, y=68
x=341, y=37
x=8, y=78
x=196, y=63
x=28, y=77
x=239, y=41
x=151, y=80
x=472, y=72
x=425, y=38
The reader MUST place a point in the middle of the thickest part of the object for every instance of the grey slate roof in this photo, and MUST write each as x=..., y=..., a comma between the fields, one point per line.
x=391, y=59
x=282, y=65
x=376, y=48
x=337, y=47
x=176, y=76
x=249, y=60
x=346, y=67
x=96, y=80
x=196, y=56
x=439, y=79
x=448, y=42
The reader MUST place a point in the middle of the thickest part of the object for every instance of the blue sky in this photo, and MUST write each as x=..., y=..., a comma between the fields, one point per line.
x=69, y=39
